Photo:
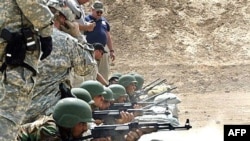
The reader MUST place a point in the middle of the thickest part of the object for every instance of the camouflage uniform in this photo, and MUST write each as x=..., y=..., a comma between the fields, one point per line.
x=80, y=14
x=42, y=129
x=62, y=125
x=93, y=74
x=67, y=54
x=16, y=83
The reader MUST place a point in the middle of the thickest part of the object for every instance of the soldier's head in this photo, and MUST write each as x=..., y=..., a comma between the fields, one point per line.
x=82, y=94
x=61, y=12
x=97, y=9
x=108, y=98
x=140, y=81
x=129, y=82
x=119, y=93
x=99, y=50
x=114, y=78
x=96, y=90
x=73, y=114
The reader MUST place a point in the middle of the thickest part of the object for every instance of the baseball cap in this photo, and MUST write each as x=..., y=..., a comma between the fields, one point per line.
x=99, y=46
x=98, y=6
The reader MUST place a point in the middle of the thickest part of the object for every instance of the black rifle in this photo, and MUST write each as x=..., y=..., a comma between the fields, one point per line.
x=105, y=114
x=124, y=106
x=117, y=132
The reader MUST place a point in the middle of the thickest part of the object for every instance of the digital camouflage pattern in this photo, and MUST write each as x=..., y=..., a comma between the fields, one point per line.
x=67, y=54
x=16, y=84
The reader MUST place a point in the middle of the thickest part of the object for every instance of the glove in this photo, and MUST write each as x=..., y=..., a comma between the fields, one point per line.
x=71, y=28
x=46, y=45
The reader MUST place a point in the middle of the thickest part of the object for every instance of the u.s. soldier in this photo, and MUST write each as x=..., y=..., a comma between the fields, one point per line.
x=17, y=81
x=67, y=56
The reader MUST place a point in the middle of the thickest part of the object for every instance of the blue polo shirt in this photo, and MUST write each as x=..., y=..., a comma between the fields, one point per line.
x=98, y=35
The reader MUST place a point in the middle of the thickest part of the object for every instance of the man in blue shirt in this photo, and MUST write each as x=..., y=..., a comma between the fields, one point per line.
x=100, y=34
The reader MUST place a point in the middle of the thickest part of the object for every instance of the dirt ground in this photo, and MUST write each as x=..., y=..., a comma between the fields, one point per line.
x=200, y=46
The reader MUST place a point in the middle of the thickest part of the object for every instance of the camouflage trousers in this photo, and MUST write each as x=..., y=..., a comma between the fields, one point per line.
x=16, y=86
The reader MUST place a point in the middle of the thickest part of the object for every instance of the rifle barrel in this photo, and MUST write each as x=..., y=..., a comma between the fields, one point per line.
x=151, y=87
x=151, y=83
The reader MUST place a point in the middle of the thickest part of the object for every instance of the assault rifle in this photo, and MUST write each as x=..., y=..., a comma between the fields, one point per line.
x=123, y=106
x=106, y=114
x=117, y=132
x=130, y=106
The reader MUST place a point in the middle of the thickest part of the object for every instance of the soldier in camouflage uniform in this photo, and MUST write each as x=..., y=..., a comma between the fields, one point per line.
x=129, y=83
x=97, y=92
x=119, y=93
x=17, y=83
x=56, y=68
x=69, y=122
x=108, y=99
x=114, y=78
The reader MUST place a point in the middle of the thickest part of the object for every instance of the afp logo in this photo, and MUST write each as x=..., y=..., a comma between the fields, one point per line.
x=236, y=132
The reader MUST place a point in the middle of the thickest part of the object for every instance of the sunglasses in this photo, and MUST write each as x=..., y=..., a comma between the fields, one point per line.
x=99, y=12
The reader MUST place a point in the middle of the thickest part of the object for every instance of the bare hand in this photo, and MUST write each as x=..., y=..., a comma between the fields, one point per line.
x=133, y=135
x=91, y=26
x=71, y=28
x=125, y=117
x=112, y=55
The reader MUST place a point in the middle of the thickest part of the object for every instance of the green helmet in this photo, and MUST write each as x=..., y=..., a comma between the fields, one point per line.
x=70, y=111
x=140, y=80
x=94, y=87
x=109, y=95
x=126, y=80
x=118, y=90
x=82, y=94
x=115, y=77
x=61, y=7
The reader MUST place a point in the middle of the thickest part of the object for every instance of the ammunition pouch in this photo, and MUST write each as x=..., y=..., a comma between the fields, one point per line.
x=17, y=45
